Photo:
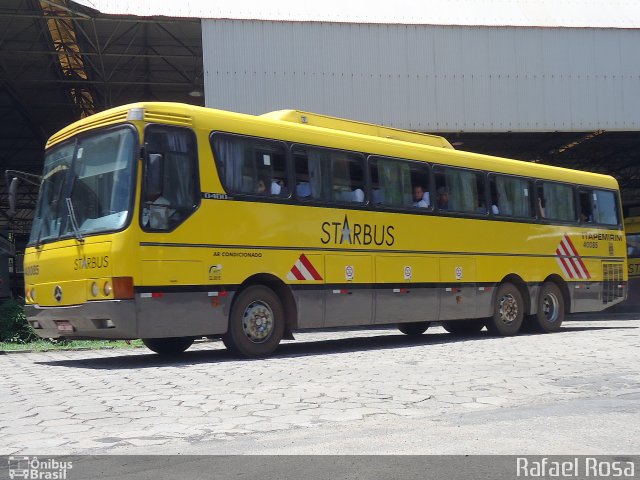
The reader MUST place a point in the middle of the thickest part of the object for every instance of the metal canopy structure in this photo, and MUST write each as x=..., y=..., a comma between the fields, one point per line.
x=60, y=61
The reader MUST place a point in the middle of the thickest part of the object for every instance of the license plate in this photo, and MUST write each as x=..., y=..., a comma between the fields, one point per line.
x=64, y=326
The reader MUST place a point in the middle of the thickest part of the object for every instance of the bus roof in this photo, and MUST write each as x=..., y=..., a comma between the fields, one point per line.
x=353, y=126
x=330, y=131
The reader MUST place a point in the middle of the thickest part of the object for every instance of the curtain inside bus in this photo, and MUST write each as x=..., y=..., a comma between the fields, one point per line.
x=513, y=196
x=463, y=191
x=231, y=159
x=559, y=202
x=395, y=182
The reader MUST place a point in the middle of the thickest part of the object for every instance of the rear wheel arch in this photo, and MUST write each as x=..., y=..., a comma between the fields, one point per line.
x=564, y=289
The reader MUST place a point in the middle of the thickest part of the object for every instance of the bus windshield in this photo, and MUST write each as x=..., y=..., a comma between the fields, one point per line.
x=92, y=176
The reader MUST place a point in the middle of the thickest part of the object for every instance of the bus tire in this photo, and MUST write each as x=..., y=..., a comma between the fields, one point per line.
x=508, y=311
x=463, y=327
x=550, y=313
x=413, y=329
x=256, y=323
x=168, y=346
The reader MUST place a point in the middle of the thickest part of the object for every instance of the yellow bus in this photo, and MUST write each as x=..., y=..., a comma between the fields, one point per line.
x=169, y=222
x=632, y=228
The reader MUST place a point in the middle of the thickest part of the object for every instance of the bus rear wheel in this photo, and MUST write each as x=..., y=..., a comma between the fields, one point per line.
x=463, y=327
x=550, y=312
x=508, y=311
x=256, y=323
x=413, y=329
x=168, y=346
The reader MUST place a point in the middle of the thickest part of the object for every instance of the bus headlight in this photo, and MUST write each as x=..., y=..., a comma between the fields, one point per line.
x=94, y=289
x=107, y=289
x=32, y=294
x=27, y=294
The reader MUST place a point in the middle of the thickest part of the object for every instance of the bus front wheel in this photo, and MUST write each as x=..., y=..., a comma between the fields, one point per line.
x=413, y=329
x=550, y=309
x=256, y=323
x=508, y=311
x=168, y=346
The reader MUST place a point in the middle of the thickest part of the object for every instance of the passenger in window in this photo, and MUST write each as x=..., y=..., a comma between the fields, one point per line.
x=585, y=217
x=261, y=186
x=494, y=205
x=358, y=195
x=541, y=207
x=303, y=189
x=420, y=197
x=442, y=198
x=277, y=187
x=156, y=214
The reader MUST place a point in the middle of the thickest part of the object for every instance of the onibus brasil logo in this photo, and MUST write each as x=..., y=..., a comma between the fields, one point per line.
x=38, y=469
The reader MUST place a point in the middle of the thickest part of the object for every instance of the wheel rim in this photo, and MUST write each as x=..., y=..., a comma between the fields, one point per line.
x=508, y=309
x=257, y=321
x=550, y=307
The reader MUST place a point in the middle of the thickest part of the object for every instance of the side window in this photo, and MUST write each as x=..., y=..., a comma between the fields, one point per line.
x=328, y=175
x=399, y=183
x=556, y=201
x=251, y=166
x=177, y=175
x=598, y=206
x=633, y=245
x=459, y=190
x=511, y=196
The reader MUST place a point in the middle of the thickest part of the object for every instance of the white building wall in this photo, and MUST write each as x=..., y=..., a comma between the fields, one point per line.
x=428, y=78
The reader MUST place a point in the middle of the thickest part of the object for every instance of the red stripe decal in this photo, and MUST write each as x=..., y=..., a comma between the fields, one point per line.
x=575, y=252
x=566, y=267
x=567, y=262
x=576, y=266
x=309, y=266
x=296, y=273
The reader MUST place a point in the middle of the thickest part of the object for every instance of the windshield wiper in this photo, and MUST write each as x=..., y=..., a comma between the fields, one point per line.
x=74, y=220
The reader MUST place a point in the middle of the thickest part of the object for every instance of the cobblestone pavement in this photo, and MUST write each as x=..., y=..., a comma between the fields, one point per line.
x=363, y=391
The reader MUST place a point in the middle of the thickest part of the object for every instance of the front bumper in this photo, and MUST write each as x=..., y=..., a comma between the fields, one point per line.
x=169, y=315
x=110, y=319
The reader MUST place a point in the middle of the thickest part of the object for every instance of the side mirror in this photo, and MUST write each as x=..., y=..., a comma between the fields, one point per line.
x=153, y=176
x=13, y=195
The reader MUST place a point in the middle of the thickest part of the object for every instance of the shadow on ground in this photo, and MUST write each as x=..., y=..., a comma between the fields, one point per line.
x=293, y=349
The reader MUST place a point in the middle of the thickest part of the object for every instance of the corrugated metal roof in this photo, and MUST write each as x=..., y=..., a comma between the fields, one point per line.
x=525, y=13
